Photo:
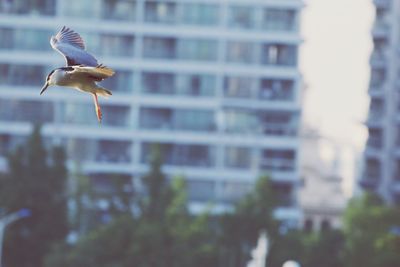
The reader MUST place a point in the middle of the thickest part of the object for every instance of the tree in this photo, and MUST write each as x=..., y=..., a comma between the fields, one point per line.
x=368, y=228
x=240, y=229
x=163, y=235
x=36, y=181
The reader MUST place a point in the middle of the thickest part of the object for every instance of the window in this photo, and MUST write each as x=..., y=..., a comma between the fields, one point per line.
x=279, y=54
x=241, y=121
x=158, y=83
x=119, y=10
x=7, y=38
x=200, y=14
x=241, y=87
x=177, y=119
x=240, y=52
x=120, y=82
x=110, y=44
x=22, y=75
x=238, y=157
x=26, y=111
x=241, y=17
x=197, y=49
x=183, y=155
x=157, y=47
x=274, y=89
x=160, y=12
x=82, y=9
x=113, y=151
x=23, y=7
x=196, y=84
x=279, y=19
x=278, y=123
x=278, y=160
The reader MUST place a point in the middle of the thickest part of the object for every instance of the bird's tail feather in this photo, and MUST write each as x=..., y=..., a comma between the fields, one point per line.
x=103, y=92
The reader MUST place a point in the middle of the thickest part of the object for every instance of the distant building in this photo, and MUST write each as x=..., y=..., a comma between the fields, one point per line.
x=381, y=157
x=322, y=198
x=215, y=82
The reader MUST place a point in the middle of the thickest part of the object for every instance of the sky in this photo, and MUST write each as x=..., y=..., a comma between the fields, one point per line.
x=334, y=61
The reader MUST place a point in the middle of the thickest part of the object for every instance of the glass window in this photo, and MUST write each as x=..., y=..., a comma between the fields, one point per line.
x=26, y=111
x=279, y=54
x=84, y=114
x=177, y=119
x=238, y=157
x=239, y=86
x=22, y=75
x=276, y=89
x=109, y=44
x=200, y=14
x=278, y=160
x=197, y=49
x=156, y=118
x=278, y=123
x=120, y=82
x=24, y=7
x=7, y=38
x=241, y=121
x=119, y=10
x=196, y=84
x=160, y=12
x=279, y=19
x=113, y=151
x=158, y=83
x=82, y=9
x=183, y=155
x=241, y=17
x=240, y=52
x=158, y=47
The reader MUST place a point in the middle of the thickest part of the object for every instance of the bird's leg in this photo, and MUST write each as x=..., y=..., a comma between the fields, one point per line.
x=97, y=106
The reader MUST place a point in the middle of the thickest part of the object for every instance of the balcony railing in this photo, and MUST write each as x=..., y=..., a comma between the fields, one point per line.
x=278, y=164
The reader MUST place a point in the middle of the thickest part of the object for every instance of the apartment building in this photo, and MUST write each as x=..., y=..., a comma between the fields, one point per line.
x=381, y=157
x=216, y=82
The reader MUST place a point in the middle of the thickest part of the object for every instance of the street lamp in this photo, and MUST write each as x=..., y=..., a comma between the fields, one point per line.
x=8, y=219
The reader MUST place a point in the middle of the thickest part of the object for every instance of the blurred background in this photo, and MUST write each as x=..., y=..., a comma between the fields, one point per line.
x=234, y=125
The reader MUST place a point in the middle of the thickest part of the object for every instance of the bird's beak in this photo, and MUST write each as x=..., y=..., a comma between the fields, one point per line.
x=44, y=88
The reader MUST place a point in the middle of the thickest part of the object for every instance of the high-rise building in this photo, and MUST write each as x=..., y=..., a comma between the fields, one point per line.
x=216, y=82
x=381, y=157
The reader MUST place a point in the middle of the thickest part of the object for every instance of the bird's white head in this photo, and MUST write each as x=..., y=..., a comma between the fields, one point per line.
x=52, y=79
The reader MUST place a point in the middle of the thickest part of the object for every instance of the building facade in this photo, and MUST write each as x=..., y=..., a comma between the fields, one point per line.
x=322, y=198
x=215, y=82
x=381, y=157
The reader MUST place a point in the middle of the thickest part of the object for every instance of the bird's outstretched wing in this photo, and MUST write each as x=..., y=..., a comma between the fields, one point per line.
x=70, y=44
x=98, y=73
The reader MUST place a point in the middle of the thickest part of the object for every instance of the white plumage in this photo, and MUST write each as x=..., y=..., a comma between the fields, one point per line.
x=82, y=70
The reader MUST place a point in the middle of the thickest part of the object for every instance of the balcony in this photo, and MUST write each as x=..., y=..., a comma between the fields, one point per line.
x=385, y=4
x=280, y=165
x=381, y=29
x=378, y=59
x=375, y=119
x=30, y=8
x=371, y=178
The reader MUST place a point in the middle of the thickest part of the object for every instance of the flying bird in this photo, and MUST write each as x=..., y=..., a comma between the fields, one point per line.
x=82, y=70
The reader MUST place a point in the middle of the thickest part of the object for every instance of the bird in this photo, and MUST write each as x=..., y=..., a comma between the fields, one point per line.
x=82, y=70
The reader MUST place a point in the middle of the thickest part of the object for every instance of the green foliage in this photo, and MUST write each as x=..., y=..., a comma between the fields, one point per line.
x=240, y=229
x=310, y=249
x=369, y=239
x=36, y=181
x=165, y=235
